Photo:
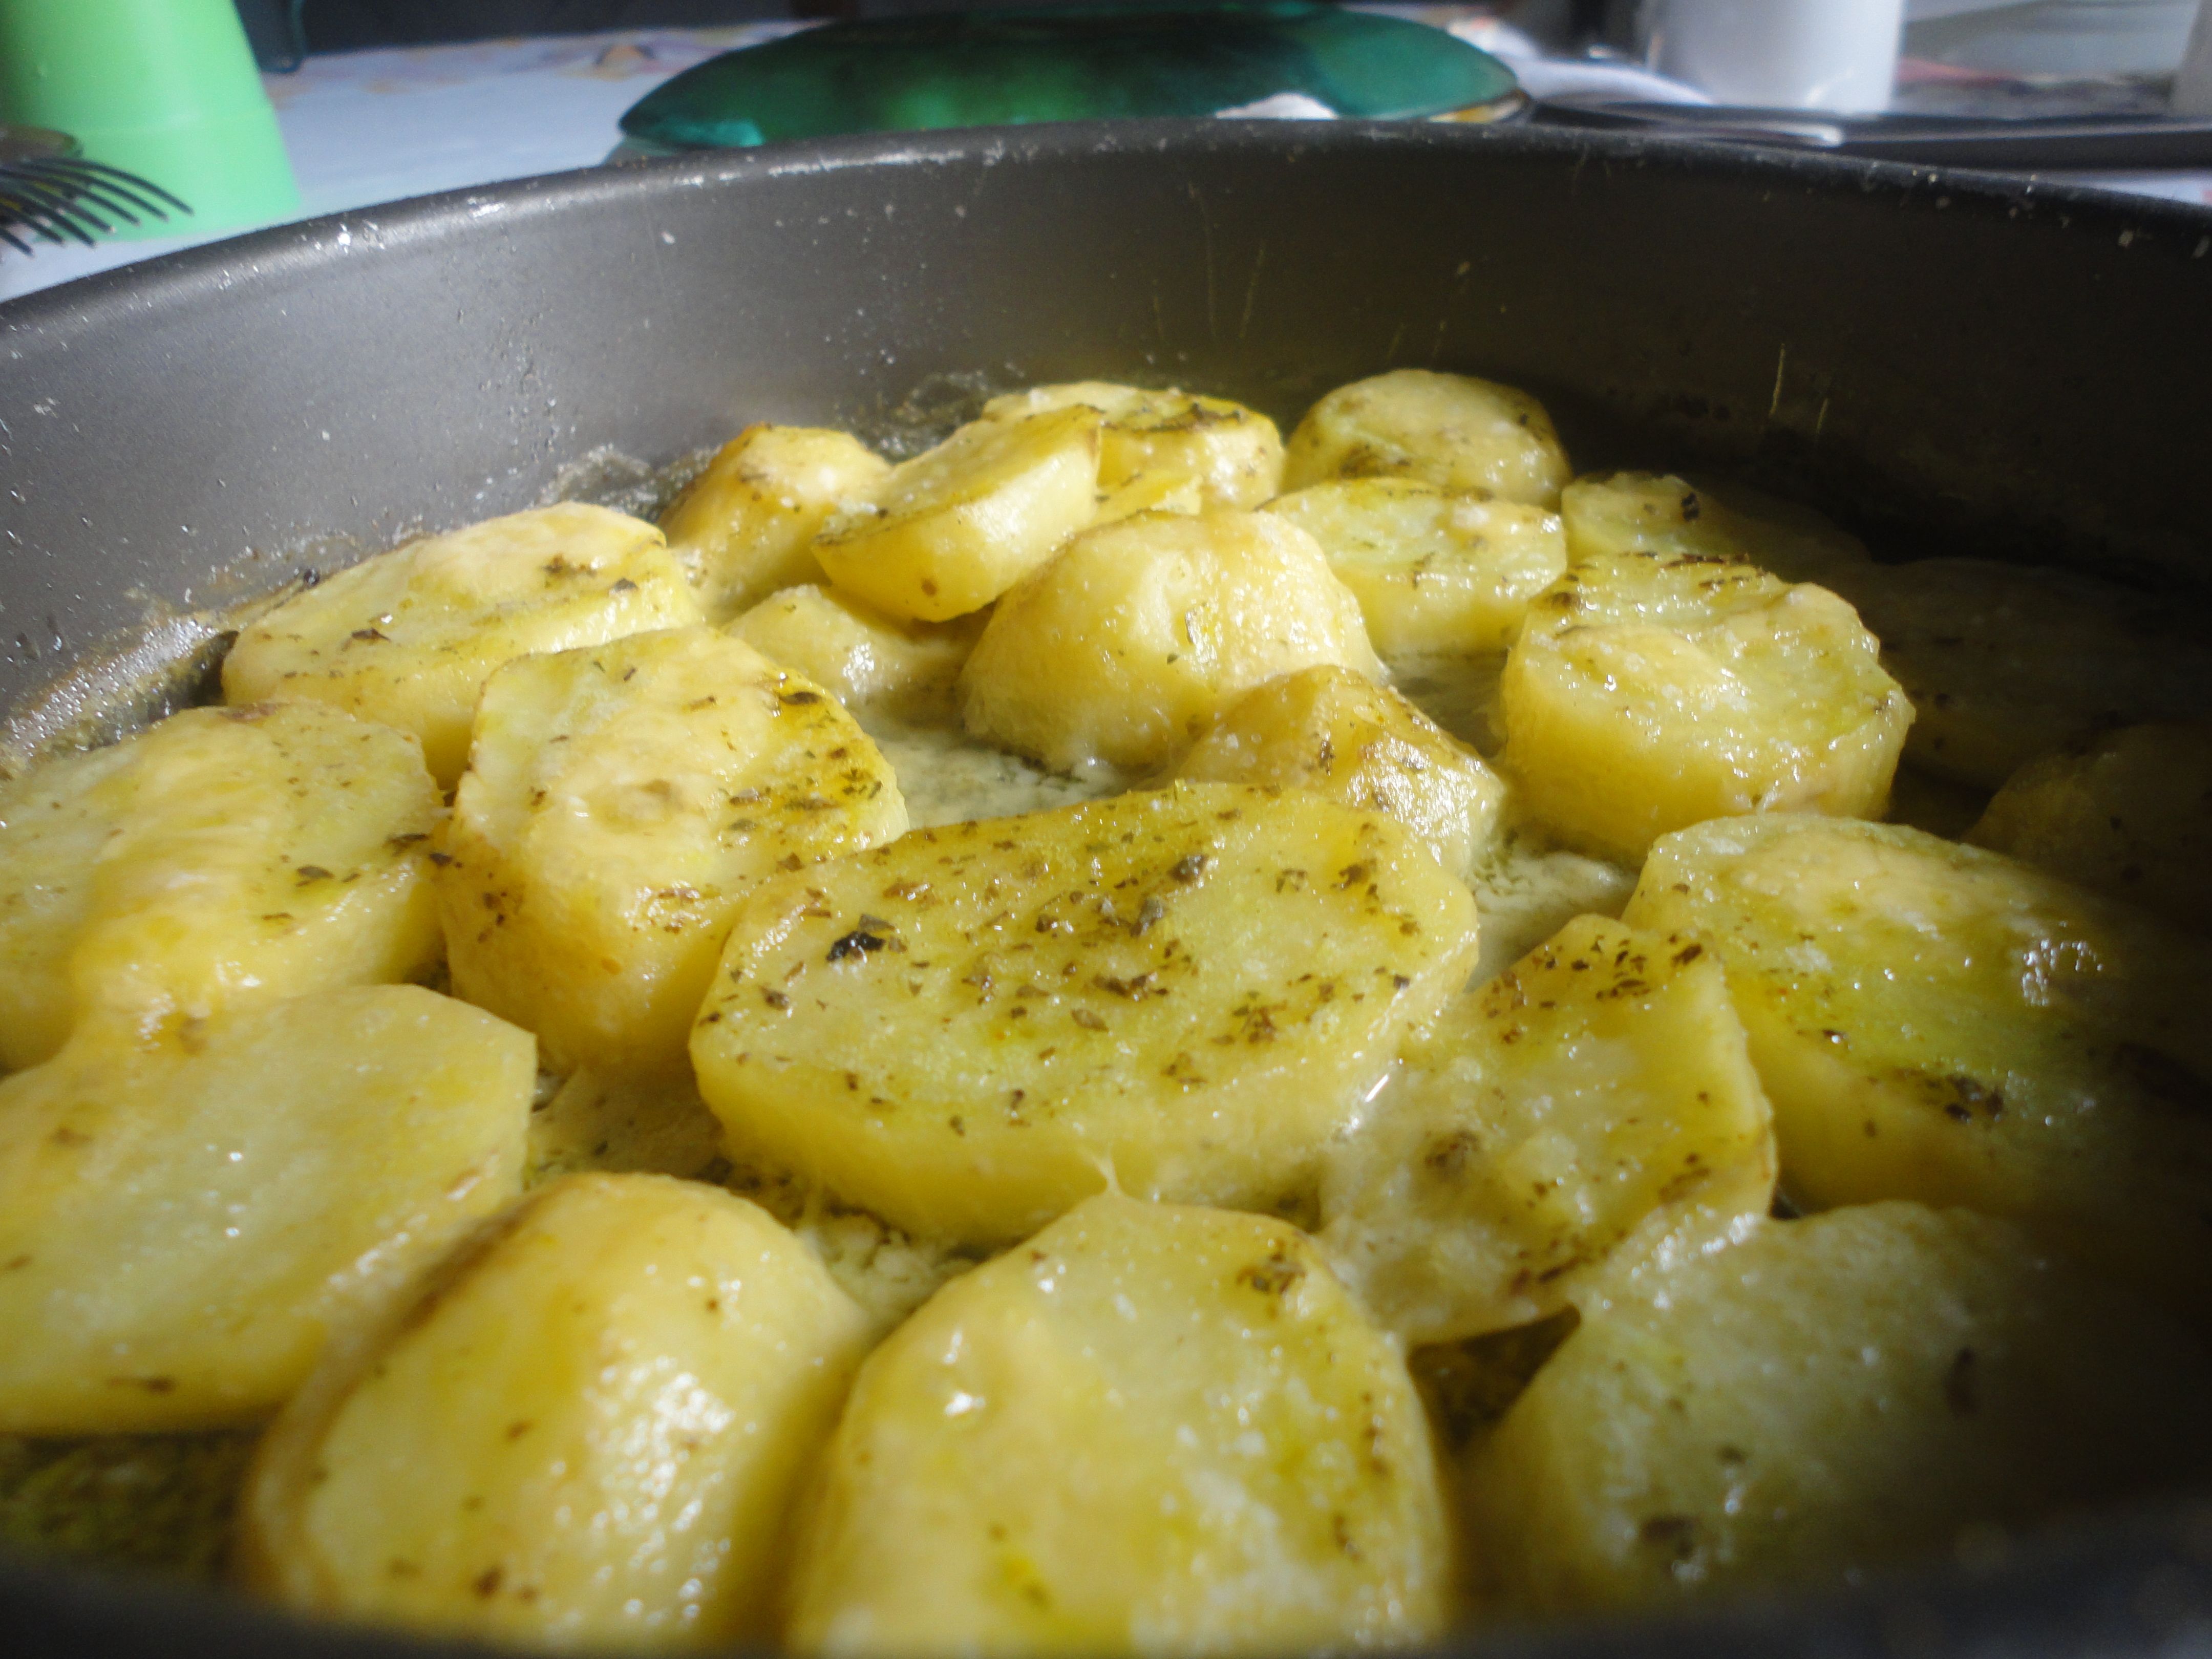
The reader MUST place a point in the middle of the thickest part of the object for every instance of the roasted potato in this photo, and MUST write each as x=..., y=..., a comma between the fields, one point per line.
x=1833, y=1395
x=1598, y=1089
x=1450, y=430
x=861, y=656
x=1151, y=441
x=587, y=1431
x=1181, y=993
x=1361, y=745
x=745, y=526
x=948, y=531
x=619, y=800
x=1149, y=1429
x=1938, y=1023
x=221, y=856
x=183, y=1219
x=1651, y=690
x=407, y=638
x=1436, y=572
x=1119, y=651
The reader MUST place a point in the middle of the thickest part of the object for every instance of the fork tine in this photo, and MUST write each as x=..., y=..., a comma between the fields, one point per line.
x=63, y=204
x=84, y=174
x=136, y=183
x=30, y=216
x=44, y=222
x=15, y=212
x=69, y=192
x=116, y=198
x=68, y=186
x=57, y=199
x=83, y=193
x=44, y=209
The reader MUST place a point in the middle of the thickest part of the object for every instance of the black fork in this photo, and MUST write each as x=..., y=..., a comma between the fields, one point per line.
x=48, y=191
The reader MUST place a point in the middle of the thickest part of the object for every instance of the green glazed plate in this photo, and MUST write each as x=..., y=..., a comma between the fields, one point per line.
x=1064, y=63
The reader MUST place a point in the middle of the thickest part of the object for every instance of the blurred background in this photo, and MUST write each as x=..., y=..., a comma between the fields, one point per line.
x=258, y=112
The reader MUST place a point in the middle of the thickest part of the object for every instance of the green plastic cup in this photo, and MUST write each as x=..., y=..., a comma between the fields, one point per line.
x=163, y=89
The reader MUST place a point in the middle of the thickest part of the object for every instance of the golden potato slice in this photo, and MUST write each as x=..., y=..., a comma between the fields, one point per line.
x=1435, y=571
x=1832, y=1395
x=1362, y=745
x=1149, y=1429
x=2130, y=815
x=1149, y=492
x=1610, y=515
x=619, y=800
x=1120, y=650
x=221, y=856
x=410, y=637
x=745, y=526
x=1649, y=691
x=948, y=531
x=1233, y=454
x=1186, y=991
x=2005, y=664
x=861, y=656
x=588, y=1431
x=1599, y=1089
x=182, y=1218
x=1450, y=430
x=1939, y=1023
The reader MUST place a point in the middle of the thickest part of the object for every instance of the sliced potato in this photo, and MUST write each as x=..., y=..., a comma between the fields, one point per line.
x=183, y=1219
x=1232, y=454
x=2130, y=815
x=1361, y=745
x=948, y=531
x=1183, y=992
x=1831, y=1396
x=745, y=526
x=619, y=799
x=861, y=656
x=409, y=637
x=1599, y=1089
x=1435, y=571
x=1120, y=651
x=1450, y=430
x=1150, y=1429
x=1610, y=515
x=2006, y=663
x=221, y=856
x=1939, y=1023
x=1652, y=690
x=588, y=1431
x=1149, y=492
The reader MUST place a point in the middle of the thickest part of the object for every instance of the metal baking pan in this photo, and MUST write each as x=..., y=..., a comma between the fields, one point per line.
x=1948, y=361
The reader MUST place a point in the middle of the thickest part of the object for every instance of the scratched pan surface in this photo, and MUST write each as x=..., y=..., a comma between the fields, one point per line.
x=1950, y=363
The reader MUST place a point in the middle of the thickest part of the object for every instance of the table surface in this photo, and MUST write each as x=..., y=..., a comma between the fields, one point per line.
x=365, y=127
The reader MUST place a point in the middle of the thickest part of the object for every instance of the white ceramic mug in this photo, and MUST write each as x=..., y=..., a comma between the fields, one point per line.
x=1797, y=54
